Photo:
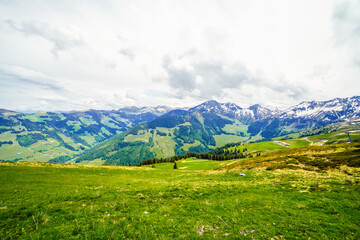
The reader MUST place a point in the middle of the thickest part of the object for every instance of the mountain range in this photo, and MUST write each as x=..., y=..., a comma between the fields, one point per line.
x=129, y=135
x=212, y=124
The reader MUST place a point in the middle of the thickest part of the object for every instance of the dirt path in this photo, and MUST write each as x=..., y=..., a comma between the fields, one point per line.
x=320, y=143
x=284, y=144
x=232, y=162
x=311, y=142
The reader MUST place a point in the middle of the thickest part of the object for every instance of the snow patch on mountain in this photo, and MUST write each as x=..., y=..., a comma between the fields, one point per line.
x=159, y=110
x=337, y=109
x=234, y=111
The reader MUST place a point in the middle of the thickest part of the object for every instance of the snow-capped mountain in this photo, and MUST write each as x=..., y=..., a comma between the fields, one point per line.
x=232, y=110
x=159, y=110
x=337, y=109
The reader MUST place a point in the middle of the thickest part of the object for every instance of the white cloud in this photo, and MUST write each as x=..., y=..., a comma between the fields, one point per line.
x=9, y=74
x=111, y=54
x=61, y=40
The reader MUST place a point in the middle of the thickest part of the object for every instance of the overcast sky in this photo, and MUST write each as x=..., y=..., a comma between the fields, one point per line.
x=75, y=55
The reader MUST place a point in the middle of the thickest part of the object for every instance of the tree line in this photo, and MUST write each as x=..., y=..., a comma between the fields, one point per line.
x=225, y=155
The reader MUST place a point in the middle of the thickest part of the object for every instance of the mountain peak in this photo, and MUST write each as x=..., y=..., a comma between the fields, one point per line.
x=210, y=103
x=208, y=106
x=337, y=109
x=158, y=110
x=254, y=107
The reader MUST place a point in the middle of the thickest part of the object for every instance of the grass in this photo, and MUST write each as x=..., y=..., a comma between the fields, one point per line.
x=41, y=151
x=189, y=145
x=317, y=140
x=271, y=145
x=87, y=120
x=223, y=139
x=59, y=201
x=89, y=139
x=108, y=122
x=75, y=124
x=295, y=143
x=261, y=146
x=163, y=146
x=133, y=138
x=96, y=162
x=191, y=164
x=335, y=137
x=36, y=117
x=7, y=136
x=314, y=158
x=235, y=128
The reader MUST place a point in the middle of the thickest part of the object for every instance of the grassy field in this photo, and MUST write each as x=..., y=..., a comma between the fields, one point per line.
x=316, y=140
x=223, y=139
x=235, y=128
x=191, y=164
x=41, y=151
x=59, y=201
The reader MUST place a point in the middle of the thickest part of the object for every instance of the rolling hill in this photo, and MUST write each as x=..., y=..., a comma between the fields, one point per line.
x=48, y=136
x=212, y=124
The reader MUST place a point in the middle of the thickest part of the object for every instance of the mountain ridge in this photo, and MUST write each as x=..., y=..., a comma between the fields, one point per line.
x=257, y=111
x=199, y=128
x=212, y=124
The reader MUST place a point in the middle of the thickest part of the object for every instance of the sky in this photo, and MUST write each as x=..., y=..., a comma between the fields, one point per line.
x=76, y=55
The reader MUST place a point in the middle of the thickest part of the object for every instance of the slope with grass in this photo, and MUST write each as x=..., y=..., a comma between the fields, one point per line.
x=311, y=158
x=327, y=135
x=166, y=136
x=57, y=137
x=59, y=201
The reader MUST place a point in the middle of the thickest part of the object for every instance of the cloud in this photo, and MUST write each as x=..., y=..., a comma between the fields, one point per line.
x=216, y=76
x=61, y=40
x=28, y=77
x=213, y=79
x=205, y=78
x=25, y=89
x=111, y=54
x=179, y=79
x=346, y=20
x=128, y=53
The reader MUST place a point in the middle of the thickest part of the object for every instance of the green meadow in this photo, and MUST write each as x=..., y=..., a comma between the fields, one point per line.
x=202, y=199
